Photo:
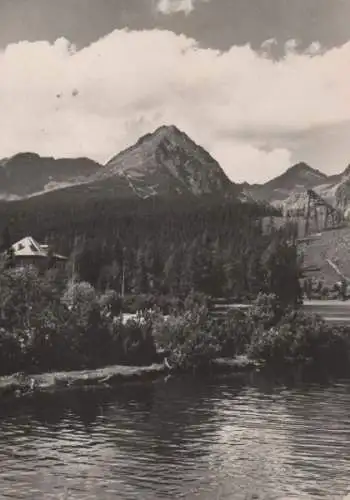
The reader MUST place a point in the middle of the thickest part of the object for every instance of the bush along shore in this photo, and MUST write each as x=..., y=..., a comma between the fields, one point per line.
x=49, y=325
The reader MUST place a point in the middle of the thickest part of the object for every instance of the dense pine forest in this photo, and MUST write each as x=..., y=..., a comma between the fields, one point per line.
x=210, y=245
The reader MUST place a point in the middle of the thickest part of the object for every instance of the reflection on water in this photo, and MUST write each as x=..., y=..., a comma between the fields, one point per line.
x=222, y=439
x=333, y=311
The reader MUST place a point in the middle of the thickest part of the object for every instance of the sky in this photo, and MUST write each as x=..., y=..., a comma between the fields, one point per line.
x=261, y=84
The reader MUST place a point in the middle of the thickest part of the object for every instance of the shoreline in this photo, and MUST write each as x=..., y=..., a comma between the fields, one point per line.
x=19, y=384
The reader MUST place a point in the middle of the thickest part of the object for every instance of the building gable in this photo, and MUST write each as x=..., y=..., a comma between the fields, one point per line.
x=28, y=247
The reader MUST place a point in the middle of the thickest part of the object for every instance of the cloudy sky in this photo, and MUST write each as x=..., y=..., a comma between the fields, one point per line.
x=261, y=84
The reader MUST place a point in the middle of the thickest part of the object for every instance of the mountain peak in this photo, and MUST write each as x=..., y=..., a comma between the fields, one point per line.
x=161, y=133
x=346, y=172
x=164, y=132
x=298, y=178
x=168, y=130
x=300, y=166
x=170, y=161
x=26, y=156
x=304, y=168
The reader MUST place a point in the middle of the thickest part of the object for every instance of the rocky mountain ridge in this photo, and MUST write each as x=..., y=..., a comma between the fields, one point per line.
x=289, y=190
x=165, y=162
x=26, y=174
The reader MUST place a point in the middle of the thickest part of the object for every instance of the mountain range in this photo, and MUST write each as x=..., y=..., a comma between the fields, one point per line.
x=166, y=163
x=289, y=190
x=28, y=174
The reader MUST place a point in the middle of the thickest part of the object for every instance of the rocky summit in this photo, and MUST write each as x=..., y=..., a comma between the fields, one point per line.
x=289, y=190
x=165, y=162
x=168, y=161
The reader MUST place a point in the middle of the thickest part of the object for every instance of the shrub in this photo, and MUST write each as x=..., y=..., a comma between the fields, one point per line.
x=190, y=338
x=110, y=303
x=79, y=295
x=10, y=353
x=196, y=300
x=137, y=340
x=133, y=304
x=300, y=338
x=266, y=311
x=45, y=326
x=234, y=333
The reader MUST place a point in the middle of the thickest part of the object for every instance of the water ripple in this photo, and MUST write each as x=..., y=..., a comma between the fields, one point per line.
x=179, y=439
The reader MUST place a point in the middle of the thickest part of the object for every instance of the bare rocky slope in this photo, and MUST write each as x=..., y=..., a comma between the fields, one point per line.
x=289, y=190
x=165, y=162
x=330, y=245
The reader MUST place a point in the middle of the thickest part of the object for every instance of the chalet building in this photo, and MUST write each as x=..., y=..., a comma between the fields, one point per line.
x=28, y=251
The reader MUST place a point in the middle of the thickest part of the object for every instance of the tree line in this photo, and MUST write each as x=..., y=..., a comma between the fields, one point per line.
x=209, y=245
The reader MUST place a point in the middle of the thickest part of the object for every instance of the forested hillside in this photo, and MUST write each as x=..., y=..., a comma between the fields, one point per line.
x=171, y=246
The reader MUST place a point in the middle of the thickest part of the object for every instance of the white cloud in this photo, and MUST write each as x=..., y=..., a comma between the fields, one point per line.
x=173, y=6
x=250, y=163
x=291, y=45
x=129, y=83
x=268, y=43
x=167, y=7
x=314, y=48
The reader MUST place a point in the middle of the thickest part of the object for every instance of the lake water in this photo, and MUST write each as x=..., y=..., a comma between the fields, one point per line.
x=334, y=311
x=228, y=438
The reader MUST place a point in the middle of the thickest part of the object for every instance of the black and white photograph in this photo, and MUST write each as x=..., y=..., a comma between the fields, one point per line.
x=174, y=249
